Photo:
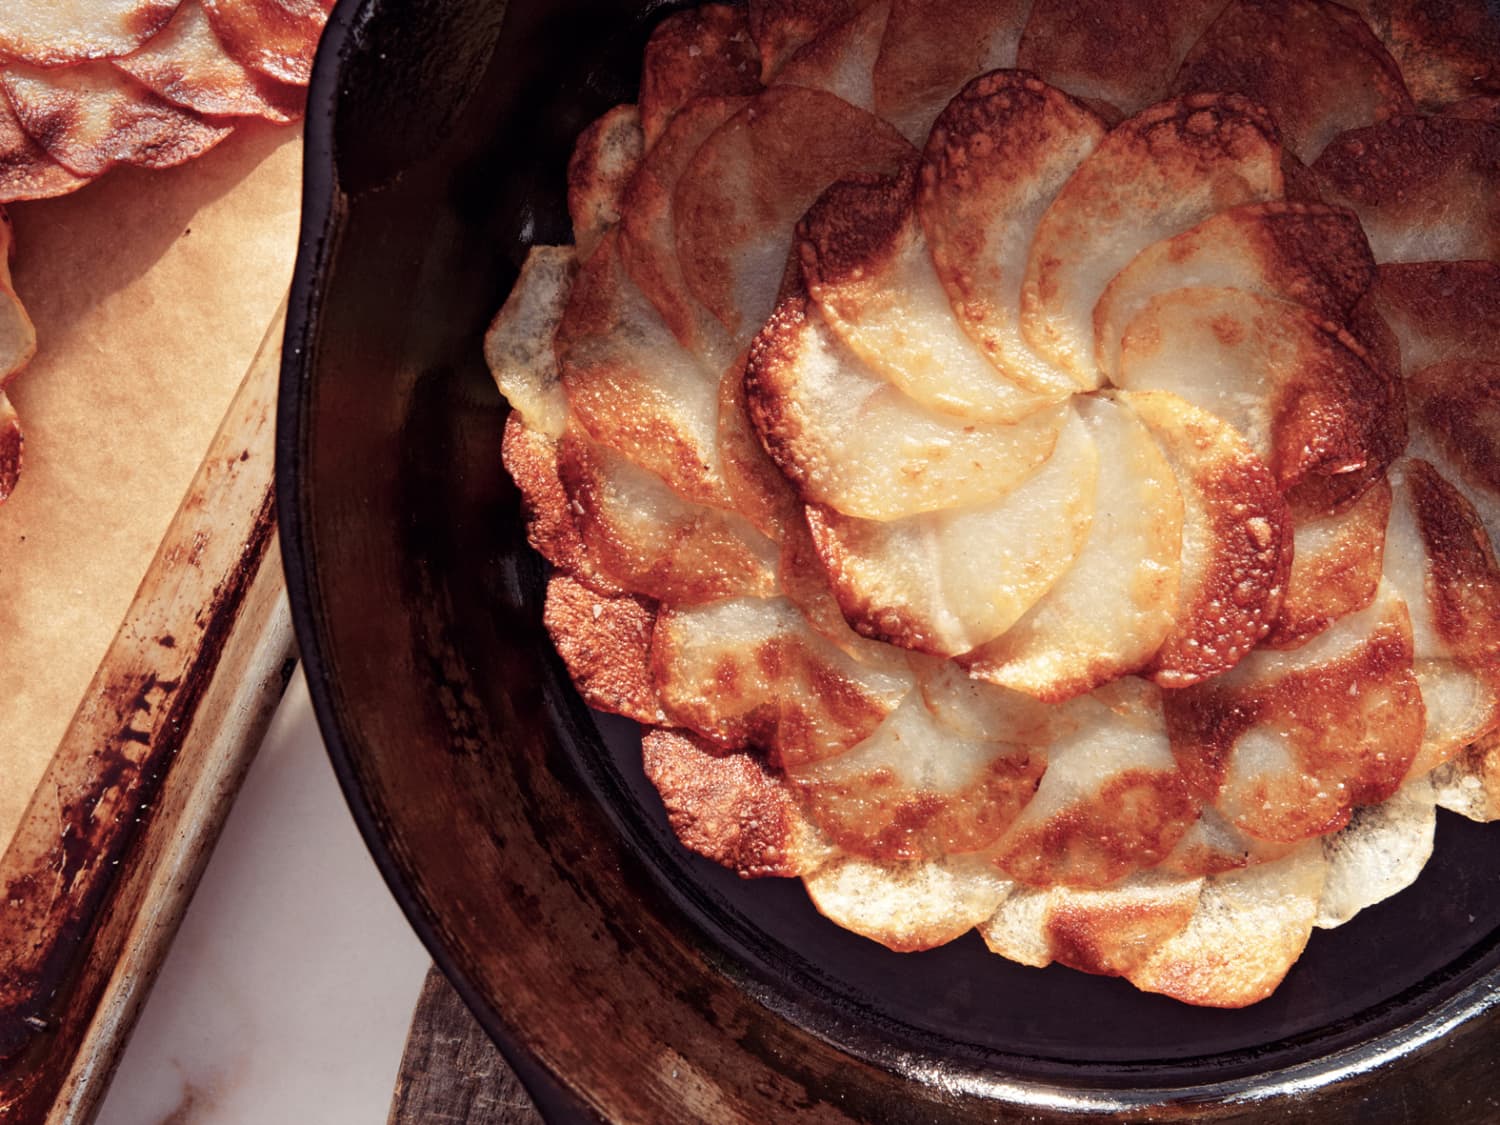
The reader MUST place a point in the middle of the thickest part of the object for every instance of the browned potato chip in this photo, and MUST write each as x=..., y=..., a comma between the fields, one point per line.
x=91, y=117
x=1447, y=49
x=186, y=64
x=278, y=38
x=699, y=52
x=63, y=32
x=782, y=27
x=26, y=171
x=17, y=336
x=10, y=448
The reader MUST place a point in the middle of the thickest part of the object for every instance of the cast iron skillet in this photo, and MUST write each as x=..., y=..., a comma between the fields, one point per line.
x=624, y=978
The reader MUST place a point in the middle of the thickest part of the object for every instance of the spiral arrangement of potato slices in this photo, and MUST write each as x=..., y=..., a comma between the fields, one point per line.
x=1035, y=466
x=86, y=85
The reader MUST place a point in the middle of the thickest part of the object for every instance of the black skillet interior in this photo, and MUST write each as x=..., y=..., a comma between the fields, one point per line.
x=438, y=137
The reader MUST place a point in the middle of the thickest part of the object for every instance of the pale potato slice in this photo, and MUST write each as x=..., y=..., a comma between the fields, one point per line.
x=730, y=807
x=26, y=171
x=848, y=439
x=704, y=51
x=1380, y=853
x=1236, y=541
x=1248, y=930
x=278, y=38
x=1110, y=612
x=1112, y=801
x=10, y=448
x=93, y=116
x=842, y=59
x=65, y=32
x=1213, y=846
x=1440, y=310
x=186, y=64
x=750, y=672
x=1336, y=561
x=1424, y=187
x=1469, y=784
x=948, y=581
x=1308, y=253
x=754, y=484
x=1109, y=931
x=1318, y=69
x=605, y=640
x=865, y=261
x=782, y=27
x=913, y=790
x=996, y=158
x=633, y=387
x=907, y=907
x=651, y=541
x=605, y=158
x=1298, y=390
x=1287, y=744
x=976, y=710
x=648, y=230
x=1154, y=176
x=932, y=47
x=1446, y=49
x=1121, y=54
x=518, y=346
x=749, y=183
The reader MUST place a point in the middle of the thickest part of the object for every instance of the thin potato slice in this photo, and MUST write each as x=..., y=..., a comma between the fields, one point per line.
x=605, y=640
x=842, y=59
x=26, y=171
x=1313, y=255
x=1424, y=188
x=519, y=344
x=865, y=261
x=1157, y=174
x=186, y=64
x=605, y=158
x=749, y=183
x=64, y=32
x=1469, y=784
x=996, y=159
x=11, y=444
x=1319, y=70
x=17, y=333
x=1378, y=854
x=1336, y=561
x=946, y=582
x=1287, y=745
x=782, y=27
x=1109, y=614
x=1440, y=310
x=1455, y=408
x=92, y=116
x=1446, y=49
x=278, y=38
x=847, y=439
x=909, y=906
x=1235, y=541
x=706, y=51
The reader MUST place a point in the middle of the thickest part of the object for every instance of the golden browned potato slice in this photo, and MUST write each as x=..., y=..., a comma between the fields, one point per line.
x=1314, y=65
x=1446, y=49
x=633, y=387
x=1440, y=310
x=996, y=158
x=604, y=162
x=93, y=116
x=1287, y=744
x=1121, y=54
x=1425, y=188
x=648, y=233
x=10, y=448
x=752, y=179
x=1157, y=174
x=1249, y=928
x=64, y=32
x=908, y=906
x=932, y=47
x=698, y=52
x=1455, y=409
x=848, y=439
x=1314, y=255
x=730, y=807
x=945, y=582
x=1336, y=560
x=1110, y=612
x=782, y=27
x=914, y=790
x=1113, y=800
x=278, y=38
x=651, y=541
x=26, y=171
x=605, y=640
x=865, y=260
x=1236, y=540
x=751, y=672
x=187, y=65
x=842, y=59
x=1299, y=391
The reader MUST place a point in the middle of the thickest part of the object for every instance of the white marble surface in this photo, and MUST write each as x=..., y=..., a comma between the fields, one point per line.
x=287, y=994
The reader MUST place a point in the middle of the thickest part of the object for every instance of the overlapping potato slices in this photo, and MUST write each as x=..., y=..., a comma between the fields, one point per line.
x=1016, y=501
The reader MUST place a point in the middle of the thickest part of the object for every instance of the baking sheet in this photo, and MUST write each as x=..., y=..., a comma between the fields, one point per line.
x=150, y=292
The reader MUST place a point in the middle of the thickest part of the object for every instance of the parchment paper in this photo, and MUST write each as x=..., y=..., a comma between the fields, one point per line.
x=150, y=292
